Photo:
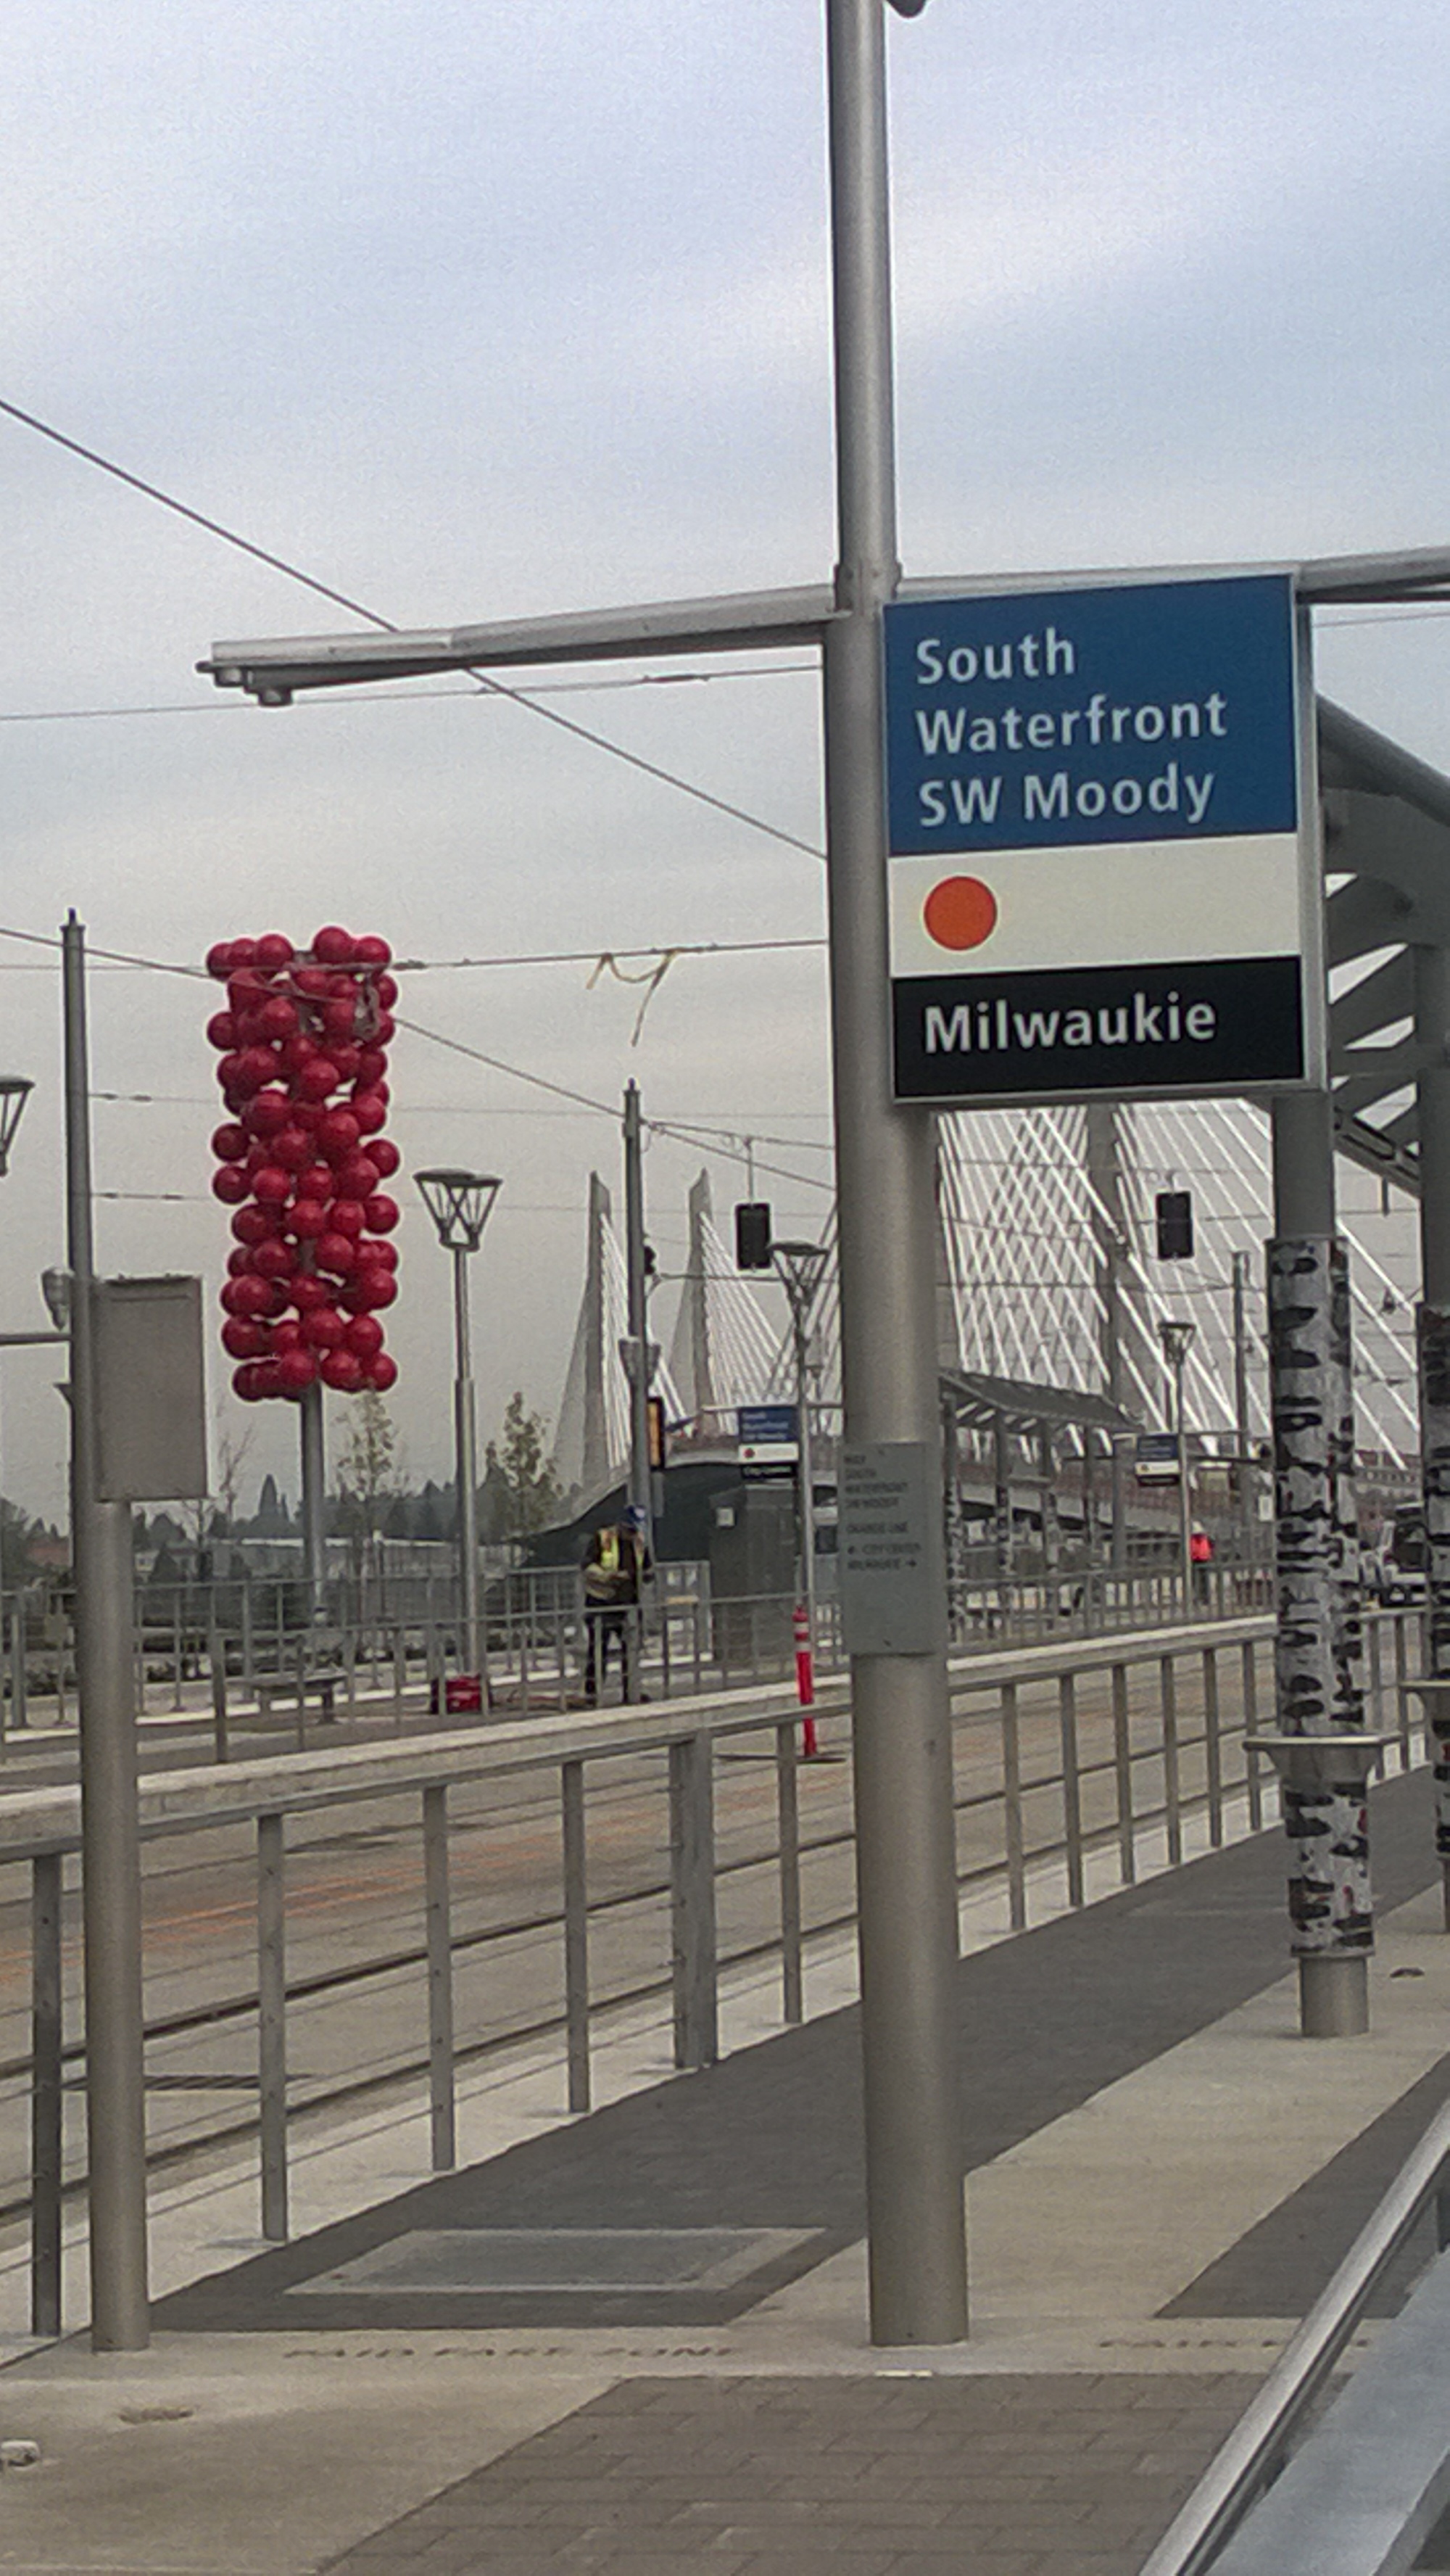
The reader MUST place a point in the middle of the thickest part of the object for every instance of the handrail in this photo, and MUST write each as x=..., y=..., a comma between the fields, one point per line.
x=1254, y=2450
x=48, y=1819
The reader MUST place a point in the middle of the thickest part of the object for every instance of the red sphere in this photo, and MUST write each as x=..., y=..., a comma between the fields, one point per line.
x=339, y=1019
x=371, y=951
x=385, y=1255
x=274, y=952
x=292, y=1150
x=254, y=1066
x=229, y=1143
x=230, y=1184
x=317, y=1077
x=298, y=1050
x=244, y=954
x=245, y=989
x=357, y=1178
x=386, y=989
x=372, y=1064
x=286, y=1336
x=316, y=1181
x=255, y=1298
x=272, y=1186
x=313, y=983
x=267, y=1112
x=219, y=960
x=371, y=1286
x=253, y=1224
x=342, y=1371
x=323, y=1328
x=381, y=1213
x=346, y=1216
x=382, y=1373
x=246, y=1381
x=295, y=1371
x=387, y=1027
x=306, y=1219
x=336, y=1253
x=364, y=1337
x=221, y=1030
x=274, y=1259
x=332, y=946
x=337, y=1134
x=384, y=1153
x=241, y=1340
x=305, y=1114
x=228, y=1069
x=277, y=1019
x=370, y=1110
x=346, y=1057
x=239, y=1261
x=308, y=1293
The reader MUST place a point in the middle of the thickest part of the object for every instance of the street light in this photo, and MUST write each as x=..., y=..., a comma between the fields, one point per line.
x=460, y=1204
x=800, y=1268
x=1176, y=1339
x=15, y=1090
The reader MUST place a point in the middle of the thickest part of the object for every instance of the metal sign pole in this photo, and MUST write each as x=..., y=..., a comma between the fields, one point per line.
x=886, y=1184
x=110, y=1839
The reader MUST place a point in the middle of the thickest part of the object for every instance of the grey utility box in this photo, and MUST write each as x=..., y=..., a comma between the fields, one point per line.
x=150, y=1381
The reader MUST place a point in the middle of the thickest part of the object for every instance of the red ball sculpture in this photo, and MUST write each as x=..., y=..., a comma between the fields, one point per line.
x=302, y=1068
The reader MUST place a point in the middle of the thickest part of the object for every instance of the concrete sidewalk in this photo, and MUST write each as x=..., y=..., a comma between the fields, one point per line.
x=635, y=2343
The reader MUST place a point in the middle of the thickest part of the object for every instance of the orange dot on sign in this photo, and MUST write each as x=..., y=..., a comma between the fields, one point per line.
x=960, y=912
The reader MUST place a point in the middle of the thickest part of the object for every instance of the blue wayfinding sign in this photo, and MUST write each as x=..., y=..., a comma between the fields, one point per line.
x=1100, y=876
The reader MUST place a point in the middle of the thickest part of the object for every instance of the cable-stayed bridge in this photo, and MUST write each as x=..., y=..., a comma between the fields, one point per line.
x=1047, y=1275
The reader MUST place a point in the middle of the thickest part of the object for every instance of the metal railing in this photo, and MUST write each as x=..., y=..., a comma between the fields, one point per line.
x=1256, y=2449
x=245, y=1652
x=1065, y=1754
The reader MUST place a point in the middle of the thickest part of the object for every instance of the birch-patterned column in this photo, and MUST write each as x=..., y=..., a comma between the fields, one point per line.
x=1434, y=1342
x=1432, y=1119
x=1317, y=1659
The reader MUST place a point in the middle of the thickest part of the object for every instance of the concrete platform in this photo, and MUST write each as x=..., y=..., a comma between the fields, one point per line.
x=1160, y=2176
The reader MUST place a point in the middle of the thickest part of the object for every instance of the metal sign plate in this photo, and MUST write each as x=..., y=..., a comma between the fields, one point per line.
x=891, y=1554
x=1098, y=879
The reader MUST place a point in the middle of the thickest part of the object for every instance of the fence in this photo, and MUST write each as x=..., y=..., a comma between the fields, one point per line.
x=233, y=1646
x=1063, y=1754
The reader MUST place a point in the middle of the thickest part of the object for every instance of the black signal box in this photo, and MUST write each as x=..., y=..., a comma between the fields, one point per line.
x=1173, y=1211
x=752, y=1235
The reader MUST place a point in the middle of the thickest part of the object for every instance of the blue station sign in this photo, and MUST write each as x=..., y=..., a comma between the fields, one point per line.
x=1101, y=879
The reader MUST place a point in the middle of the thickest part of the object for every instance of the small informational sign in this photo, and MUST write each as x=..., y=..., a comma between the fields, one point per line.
x=1104, y=876
x=769, y=1443
x=150, y=1390
x=891, y=1554
x=1155, y=1458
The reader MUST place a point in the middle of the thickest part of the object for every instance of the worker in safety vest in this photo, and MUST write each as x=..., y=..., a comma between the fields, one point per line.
x=616, y=1566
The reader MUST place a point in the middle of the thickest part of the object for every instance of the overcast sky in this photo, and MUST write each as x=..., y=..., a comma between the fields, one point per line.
x=471, y=313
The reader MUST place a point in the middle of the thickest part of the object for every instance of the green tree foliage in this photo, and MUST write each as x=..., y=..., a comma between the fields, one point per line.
x=520, y=1491
x=367, y=1471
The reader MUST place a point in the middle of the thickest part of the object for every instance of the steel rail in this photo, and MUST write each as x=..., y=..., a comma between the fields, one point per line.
x=1255, y=2449
x=320, y=1983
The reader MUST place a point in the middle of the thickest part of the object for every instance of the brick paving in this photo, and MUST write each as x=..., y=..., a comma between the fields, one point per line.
x=1048, y=2475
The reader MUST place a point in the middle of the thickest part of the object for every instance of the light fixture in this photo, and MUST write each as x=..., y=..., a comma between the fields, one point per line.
x=15, y=1090
x=460, y=1204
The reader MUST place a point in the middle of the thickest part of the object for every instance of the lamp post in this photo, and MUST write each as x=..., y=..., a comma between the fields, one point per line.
x=800, y=1268
x=15, y=1090
x=460, y=1204
x=1176, y=1339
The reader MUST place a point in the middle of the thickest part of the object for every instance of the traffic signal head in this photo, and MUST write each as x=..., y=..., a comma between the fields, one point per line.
x=1173, y=1212
x=752, y=1235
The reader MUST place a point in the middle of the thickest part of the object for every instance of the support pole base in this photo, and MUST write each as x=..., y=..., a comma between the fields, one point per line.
x=1334, y=1995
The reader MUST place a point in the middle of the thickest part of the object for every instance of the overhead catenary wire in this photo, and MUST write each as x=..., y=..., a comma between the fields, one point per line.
x=485, y=681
